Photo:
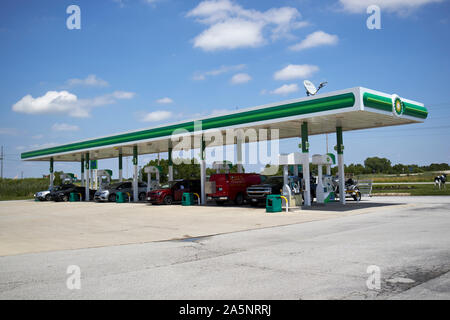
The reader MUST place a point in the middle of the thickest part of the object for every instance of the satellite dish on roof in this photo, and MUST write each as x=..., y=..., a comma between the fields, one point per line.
x=311, y=88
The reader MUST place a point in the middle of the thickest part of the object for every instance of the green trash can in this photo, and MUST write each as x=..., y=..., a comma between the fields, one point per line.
x=187, y=199
x=273, y=203
x=74, y=197
x=120, y=197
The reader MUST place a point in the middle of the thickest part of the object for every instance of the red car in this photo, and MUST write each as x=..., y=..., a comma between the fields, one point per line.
x=232, y=186
x=173, y=191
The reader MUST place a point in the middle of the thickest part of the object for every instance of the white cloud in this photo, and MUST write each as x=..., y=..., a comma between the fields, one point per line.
x=64, y=127
x=397, y=6
x=64, y=102
x=295, y=71
x=157, y=116
x=165, y=100
x=240, y=78
x=230, y=26
x=218, y=71
x=230, y=34
x=315, y=39
x=90, y=81
x=9, y=131
x=286, y=89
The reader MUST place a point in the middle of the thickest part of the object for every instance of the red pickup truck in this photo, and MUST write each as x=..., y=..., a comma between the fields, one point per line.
x=232, y=186
x=173, y=191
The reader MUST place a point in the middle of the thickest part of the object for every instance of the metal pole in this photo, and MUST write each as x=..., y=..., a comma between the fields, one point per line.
x=51, y=173
x=170, y=162
x=120, y=166
x=135, y=175
x=86, y=194
x=305, y=150
x=82, y=171
x=203, y=172
x=340, y=152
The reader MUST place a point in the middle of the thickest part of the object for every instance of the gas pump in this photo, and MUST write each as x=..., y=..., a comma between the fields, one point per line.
x=324, y=189
x=292, y=187
x=152, y=184
x=103, y=179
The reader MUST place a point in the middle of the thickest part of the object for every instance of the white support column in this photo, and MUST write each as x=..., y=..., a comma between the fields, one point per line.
x=87, y=182
x=203, y=172
x=51, y=174
x=285, y=174
x=120, y=165
x=329, y=170
x=341, y=178
x=340, y=152
x=135, y=175
x=239, y=146
x=170, y=162
x=305, y=151
x=319, y=189
x=82, y=171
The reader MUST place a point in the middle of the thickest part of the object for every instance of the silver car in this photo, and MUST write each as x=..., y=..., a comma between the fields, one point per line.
x=109, y=193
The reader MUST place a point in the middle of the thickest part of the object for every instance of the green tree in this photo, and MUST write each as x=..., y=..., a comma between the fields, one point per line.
x=377, y=165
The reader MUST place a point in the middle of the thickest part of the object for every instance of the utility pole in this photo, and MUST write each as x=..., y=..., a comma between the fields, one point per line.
x=1, y=158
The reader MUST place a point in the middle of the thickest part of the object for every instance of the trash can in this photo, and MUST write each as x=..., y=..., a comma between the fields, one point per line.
x=273, y=203
x=74, y=197
x=187, y=199
x=120, y=197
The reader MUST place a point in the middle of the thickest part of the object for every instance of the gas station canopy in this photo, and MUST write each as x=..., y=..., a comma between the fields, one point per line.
x=352, y=109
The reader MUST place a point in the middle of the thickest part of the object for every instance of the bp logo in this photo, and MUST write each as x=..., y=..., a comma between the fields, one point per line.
x=397, y=105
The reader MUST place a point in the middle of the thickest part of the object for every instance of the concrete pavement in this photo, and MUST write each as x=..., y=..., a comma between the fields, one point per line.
x=323, y=259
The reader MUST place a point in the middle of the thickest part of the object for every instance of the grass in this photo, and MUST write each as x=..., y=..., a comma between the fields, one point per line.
x=420, y=177
x=413, y=189
x=20, y=189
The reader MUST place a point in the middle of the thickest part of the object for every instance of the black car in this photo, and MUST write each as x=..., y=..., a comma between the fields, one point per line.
x=274, y=185
x=62, y=192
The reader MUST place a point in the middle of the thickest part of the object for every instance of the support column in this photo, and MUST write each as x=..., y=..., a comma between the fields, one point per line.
x=340, y=152
x=135, y=175
x=120, y=166
x=305, y=151
x=82, y=171
x=239, y=145
x=170, y=162
x=51, y=173
x=203, y=172
x=87, y=182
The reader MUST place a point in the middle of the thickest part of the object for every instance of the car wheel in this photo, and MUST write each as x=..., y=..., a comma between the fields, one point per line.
x=239, y=200
x=168, y=200
x=112, y=197
x=142, y=196
x=47, y=197
x=357, y=197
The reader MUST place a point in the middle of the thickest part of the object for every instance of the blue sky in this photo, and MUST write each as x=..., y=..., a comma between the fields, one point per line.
x=136, y=64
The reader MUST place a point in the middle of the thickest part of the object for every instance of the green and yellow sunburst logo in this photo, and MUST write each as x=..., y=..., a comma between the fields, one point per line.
x=397, y=105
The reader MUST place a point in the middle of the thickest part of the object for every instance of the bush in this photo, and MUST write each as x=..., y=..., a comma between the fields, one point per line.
x=11, y=189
